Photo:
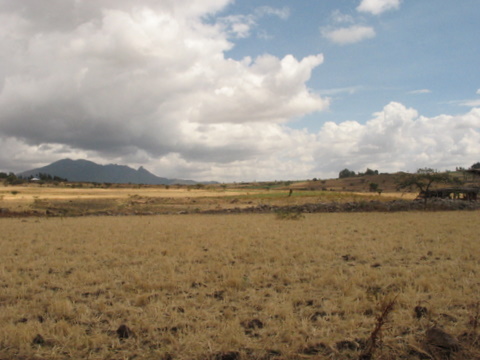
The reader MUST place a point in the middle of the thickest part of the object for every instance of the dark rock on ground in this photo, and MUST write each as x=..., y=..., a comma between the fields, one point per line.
x=315, y=349
x=420, y=311
x=38, y=340
x=440, y=344
x=252, y=324
x=124, y=332
x=347, y=345
x=231, y=355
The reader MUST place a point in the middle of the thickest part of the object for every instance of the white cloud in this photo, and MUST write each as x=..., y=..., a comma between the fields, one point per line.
x=348, y=35
x=339, y=17
x=283, y=13
x=420, y=91
x=470, y=103
x=238, y=26
x=395, y=138
x=121, y=81
x=241, y=26
x=478, y=92
x=346, y=90
x=376, y=7
x=147, y=83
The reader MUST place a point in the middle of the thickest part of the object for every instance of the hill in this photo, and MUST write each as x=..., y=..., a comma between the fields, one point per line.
x=88, y=171
x=385, y=182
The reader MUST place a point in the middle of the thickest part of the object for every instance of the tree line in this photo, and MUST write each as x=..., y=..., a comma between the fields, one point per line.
x=12, y=179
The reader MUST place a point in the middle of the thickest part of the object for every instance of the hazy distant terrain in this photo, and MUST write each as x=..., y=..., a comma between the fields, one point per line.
x=88, y=171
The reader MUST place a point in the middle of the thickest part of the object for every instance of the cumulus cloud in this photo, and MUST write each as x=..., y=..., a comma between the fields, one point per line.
x=395, y=138
x=377, y=7
x=349, y=35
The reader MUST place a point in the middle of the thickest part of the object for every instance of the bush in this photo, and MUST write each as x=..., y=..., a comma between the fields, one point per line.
x=289, y=215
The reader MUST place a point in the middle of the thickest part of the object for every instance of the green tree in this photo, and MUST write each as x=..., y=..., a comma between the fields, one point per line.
x=345, y=173
x=423, y=180
x=475, y=166
x=12, y=179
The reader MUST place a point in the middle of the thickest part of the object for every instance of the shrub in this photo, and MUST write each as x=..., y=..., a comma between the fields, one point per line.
x=289, y=215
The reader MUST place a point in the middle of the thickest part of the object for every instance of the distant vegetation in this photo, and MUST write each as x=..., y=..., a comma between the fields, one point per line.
x=424, y=180
x=12, y=179
x=345, y=173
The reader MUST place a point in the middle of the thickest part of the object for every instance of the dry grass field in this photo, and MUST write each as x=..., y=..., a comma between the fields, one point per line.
x=230, y=287
x=80, y=201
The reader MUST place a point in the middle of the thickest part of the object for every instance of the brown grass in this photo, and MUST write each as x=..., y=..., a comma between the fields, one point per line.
x=157, y=199
x=235, y=287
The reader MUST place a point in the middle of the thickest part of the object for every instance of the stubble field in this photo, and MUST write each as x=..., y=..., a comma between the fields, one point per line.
x=230, y=287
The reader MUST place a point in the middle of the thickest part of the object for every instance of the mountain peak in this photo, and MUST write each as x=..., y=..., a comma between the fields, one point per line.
x=87, y=171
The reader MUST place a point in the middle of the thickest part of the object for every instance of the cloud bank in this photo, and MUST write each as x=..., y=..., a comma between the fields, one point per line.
x=124, y=77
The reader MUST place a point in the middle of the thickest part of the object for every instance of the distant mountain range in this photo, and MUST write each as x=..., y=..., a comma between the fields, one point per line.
x=88, y=171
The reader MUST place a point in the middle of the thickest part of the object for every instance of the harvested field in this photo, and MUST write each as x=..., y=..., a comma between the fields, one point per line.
x=241, y=286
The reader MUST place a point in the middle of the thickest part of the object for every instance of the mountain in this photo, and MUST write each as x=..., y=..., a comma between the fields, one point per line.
x=88, y=171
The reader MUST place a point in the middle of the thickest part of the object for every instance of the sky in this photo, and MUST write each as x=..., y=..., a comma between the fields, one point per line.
x=244, y=90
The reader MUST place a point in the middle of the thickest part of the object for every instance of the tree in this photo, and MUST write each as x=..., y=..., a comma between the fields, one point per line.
x=475, y=166
x=12, y=179
x=371, y=172
x=345, y=173
x=423, y=180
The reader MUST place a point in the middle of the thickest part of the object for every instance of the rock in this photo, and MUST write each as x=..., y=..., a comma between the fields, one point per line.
x=420, y=311
x=124, y=332
x=315, y=349
x=415, y=352
x=219, y=295
x=441, y=340
x=231, y=355
x=38, y=340
x=347, y=345
x=449, y=317
x=318, y=314
x=252, y=324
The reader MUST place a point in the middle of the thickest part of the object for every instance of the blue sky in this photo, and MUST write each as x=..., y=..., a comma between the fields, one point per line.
x=423, y=45
x=241, y=90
